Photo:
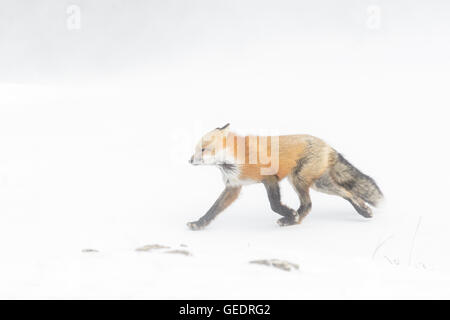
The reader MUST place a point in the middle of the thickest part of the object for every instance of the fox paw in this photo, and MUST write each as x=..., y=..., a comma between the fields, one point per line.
x=288, y=221
x=195, y=225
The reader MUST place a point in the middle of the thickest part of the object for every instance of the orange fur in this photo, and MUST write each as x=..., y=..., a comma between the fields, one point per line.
x=291, y=149
x=307, y=161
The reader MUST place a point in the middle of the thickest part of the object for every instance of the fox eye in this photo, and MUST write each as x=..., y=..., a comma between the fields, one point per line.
x=203, y=149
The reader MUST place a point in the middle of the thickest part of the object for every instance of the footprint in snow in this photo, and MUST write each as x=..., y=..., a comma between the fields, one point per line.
x=89, y=251
x=151, y=247
x=178, y=251
x=276, y=263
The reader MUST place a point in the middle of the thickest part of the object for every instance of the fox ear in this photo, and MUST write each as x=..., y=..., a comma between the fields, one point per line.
x=224, y=127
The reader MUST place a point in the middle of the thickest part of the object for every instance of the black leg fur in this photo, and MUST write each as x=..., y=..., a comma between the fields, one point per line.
x=273, y=192
x=361, y=208
x=225, y=199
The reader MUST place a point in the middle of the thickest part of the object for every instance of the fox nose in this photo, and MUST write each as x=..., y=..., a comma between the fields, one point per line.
x=191, y=160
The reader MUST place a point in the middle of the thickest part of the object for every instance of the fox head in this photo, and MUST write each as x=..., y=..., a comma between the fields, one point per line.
x=212, y=148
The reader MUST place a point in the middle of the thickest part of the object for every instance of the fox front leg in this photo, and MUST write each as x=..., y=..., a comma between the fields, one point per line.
x=290, y=216
x=225, y=199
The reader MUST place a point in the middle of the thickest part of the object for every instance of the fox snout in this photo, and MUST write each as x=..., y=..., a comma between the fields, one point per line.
x=193, y=161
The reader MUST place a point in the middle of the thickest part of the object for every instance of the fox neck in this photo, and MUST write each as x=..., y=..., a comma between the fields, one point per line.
x=228, y=162
x=230, y=174
x=228, y=165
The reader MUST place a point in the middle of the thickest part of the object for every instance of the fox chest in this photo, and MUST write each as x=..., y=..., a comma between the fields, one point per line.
x=231, y=175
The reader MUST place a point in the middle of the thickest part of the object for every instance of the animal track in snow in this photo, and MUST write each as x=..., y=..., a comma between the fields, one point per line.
x=89, y=251
x=178, y=251
x=276, y=263
x=150, y=247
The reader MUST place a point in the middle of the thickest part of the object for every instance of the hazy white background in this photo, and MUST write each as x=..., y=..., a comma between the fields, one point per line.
x=102, y=102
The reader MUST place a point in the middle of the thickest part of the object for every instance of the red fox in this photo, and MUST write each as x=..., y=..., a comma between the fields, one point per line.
x=306, y=161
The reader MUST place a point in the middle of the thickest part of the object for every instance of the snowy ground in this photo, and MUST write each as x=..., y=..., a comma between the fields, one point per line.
x=100, y=168
x=102, y=102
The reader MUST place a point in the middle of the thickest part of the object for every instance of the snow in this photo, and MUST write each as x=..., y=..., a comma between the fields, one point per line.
x=81, y=170
x=94, y=156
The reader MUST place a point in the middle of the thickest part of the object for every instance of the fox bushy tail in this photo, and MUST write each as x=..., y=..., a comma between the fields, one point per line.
x=356, y=182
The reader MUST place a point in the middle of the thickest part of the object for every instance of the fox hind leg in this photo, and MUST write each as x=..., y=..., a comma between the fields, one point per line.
x=307, y=170
x=361, y=207
x=326, y=184
x=302, y=189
